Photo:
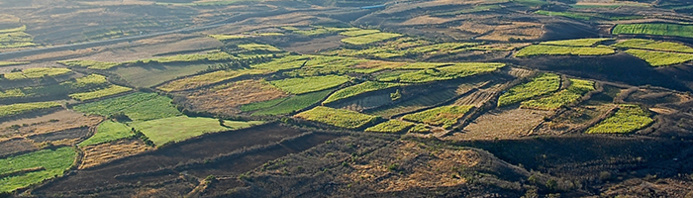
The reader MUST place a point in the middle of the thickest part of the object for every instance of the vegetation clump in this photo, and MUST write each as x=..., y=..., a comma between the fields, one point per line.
x=658, y=59
x=370, y=38
x=338, y=117
x=91, y=64
x=588, y=42
x=85, y=83
x=174, y=129
x=100, y=93
x=309, y=84
x=536, y=50
x=15, y=38
x=541, y=85
x=564, y=97
x=454, y=71
x=259, y=47
x=391, y=126
x=24, y=170
x=628, y=118
x=108, y=131
x=33, y=73
x=354, y=33
x=20, y=108
x=137, y=106
x=445, y=116
x=654, y=45
x=661, y=29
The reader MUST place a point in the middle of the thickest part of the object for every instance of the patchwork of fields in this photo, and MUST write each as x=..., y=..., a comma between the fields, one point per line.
x=259, y=112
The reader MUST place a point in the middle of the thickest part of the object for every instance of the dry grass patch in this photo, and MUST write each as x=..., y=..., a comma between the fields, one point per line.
x=102, y=153
x=228, y=97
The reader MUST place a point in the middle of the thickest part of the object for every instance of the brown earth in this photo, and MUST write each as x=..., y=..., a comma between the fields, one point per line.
x=54, y=122
x=16, y=146
x=106, y=152
x=507, y=123
x=225, y=99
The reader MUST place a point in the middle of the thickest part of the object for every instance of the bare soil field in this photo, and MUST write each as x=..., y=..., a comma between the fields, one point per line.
x=57, y=121
x=70, y=135
x=103, y=153
x=225, y=99
x=16, y=146
x=506, y=123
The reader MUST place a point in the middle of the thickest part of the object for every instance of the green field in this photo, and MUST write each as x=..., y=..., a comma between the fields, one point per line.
x=654, y=45
x=186, y=58
x=15, y=38
x=657, y=59
x=292, y=104
x=259, y=47
x=423, y=65
x=536, y=50
x=541, y=85
x=588, y=42
x=355, y=90
x=445, y=116
x=11, y=63
x=35, y=167
x=457, y=70
x=91, y=64
x=224, y=37
x=354, y=33
x=201, y=80
x=311, y=65
x=661, y=29
x=309, y=84
x=337, y=117
x=627, y=119
x=175, y=129
x=390, y=49
x=137, y=106
x=100, y=93
x=575, y=91
x=20, y=108
x=372, y=52
x=85, y=83
x=108, y=131
x=33, y=73
x=391, y=126
x=419, y=128
x=370, y=38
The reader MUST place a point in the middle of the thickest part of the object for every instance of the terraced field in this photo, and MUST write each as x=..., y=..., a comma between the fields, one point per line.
x=209, y=98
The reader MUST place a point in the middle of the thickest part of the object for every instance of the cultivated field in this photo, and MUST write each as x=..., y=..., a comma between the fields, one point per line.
x=210, y=98
x=337, y=117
